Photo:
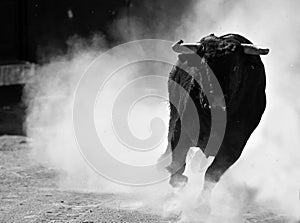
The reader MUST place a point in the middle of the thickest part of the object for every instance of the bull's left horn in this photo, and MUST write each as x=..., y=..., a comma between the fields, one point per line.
x=254, y=50
x=186, y=48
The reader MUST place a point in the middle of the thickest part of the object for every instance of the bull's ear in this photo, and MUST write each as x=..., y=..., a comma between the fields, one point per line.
x=254, y=50
x=185, y=48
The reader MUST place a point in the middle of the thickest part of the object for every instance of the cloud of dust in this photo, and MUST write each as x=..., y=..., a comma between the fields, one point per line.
x=270, y=163
x=49, y=118
x=50, y=98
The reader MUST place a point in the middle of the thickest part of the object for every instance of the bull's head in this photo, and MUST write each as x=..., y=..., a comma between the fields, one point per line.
x=189, y=48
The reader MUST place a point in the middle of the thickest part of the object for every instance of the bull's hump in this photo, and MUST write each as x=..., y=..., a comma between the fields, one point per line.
x=217, y=47
x=208, y=38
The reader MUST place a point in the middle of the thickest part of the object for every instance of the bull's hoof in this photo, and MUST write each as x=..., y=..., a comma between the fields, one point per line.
x=171, y=208
x=203, y=211
x=178, y=180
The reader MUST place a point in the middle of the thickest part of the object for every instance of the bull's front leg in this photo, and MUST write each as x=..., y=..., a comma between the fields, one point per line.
x=179, y=143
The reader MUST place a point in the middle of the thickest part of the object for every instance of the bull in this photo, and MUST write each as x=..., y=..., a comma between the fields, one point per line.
x=236, y=65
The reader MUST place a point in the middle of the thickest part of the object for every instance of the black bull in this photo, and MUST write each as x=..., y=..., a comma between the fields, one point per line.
x=237, y=66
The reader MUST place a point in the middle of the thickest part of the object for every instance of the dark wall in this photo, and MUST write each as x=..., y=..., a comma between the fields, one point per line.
x=12, y=42
x=51, y=23
x=29, y=27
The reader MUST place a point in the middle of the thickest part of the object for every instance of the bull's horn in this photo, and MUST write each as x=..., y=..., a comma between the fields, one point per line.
x=254, y=50
x=185, y=48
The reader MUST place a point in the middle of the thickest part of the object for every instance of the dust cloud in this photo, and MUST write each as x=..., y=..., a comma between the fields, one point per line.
x=268, y=171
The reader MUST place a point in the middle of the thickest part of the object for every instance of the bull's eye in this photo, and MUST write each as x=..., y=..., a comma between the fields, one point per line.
x=201, y=50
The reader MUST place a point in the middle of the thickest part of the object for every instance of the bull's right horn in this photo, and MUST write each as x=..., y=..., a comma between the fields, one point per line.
x=186, y=48
x=254, y=50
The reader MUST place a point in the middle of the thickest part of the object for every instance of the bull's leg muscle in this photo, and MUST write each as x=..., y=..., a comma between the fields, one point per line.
x=229, y=152
x=226, y=157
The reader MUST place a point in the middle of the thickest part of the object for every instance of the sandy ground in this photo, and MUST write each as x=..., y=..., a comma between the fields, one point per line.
x=28, y=193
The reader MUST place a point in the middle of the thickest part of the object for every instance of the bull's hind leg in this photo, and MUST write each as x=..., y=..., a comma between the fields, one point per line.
x=226, y=157
x=212, y=176
x=228, y=154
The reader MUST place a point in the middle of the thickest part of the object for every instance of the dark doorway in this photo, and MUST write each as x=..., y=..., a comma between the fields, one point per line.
x=12, y=110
